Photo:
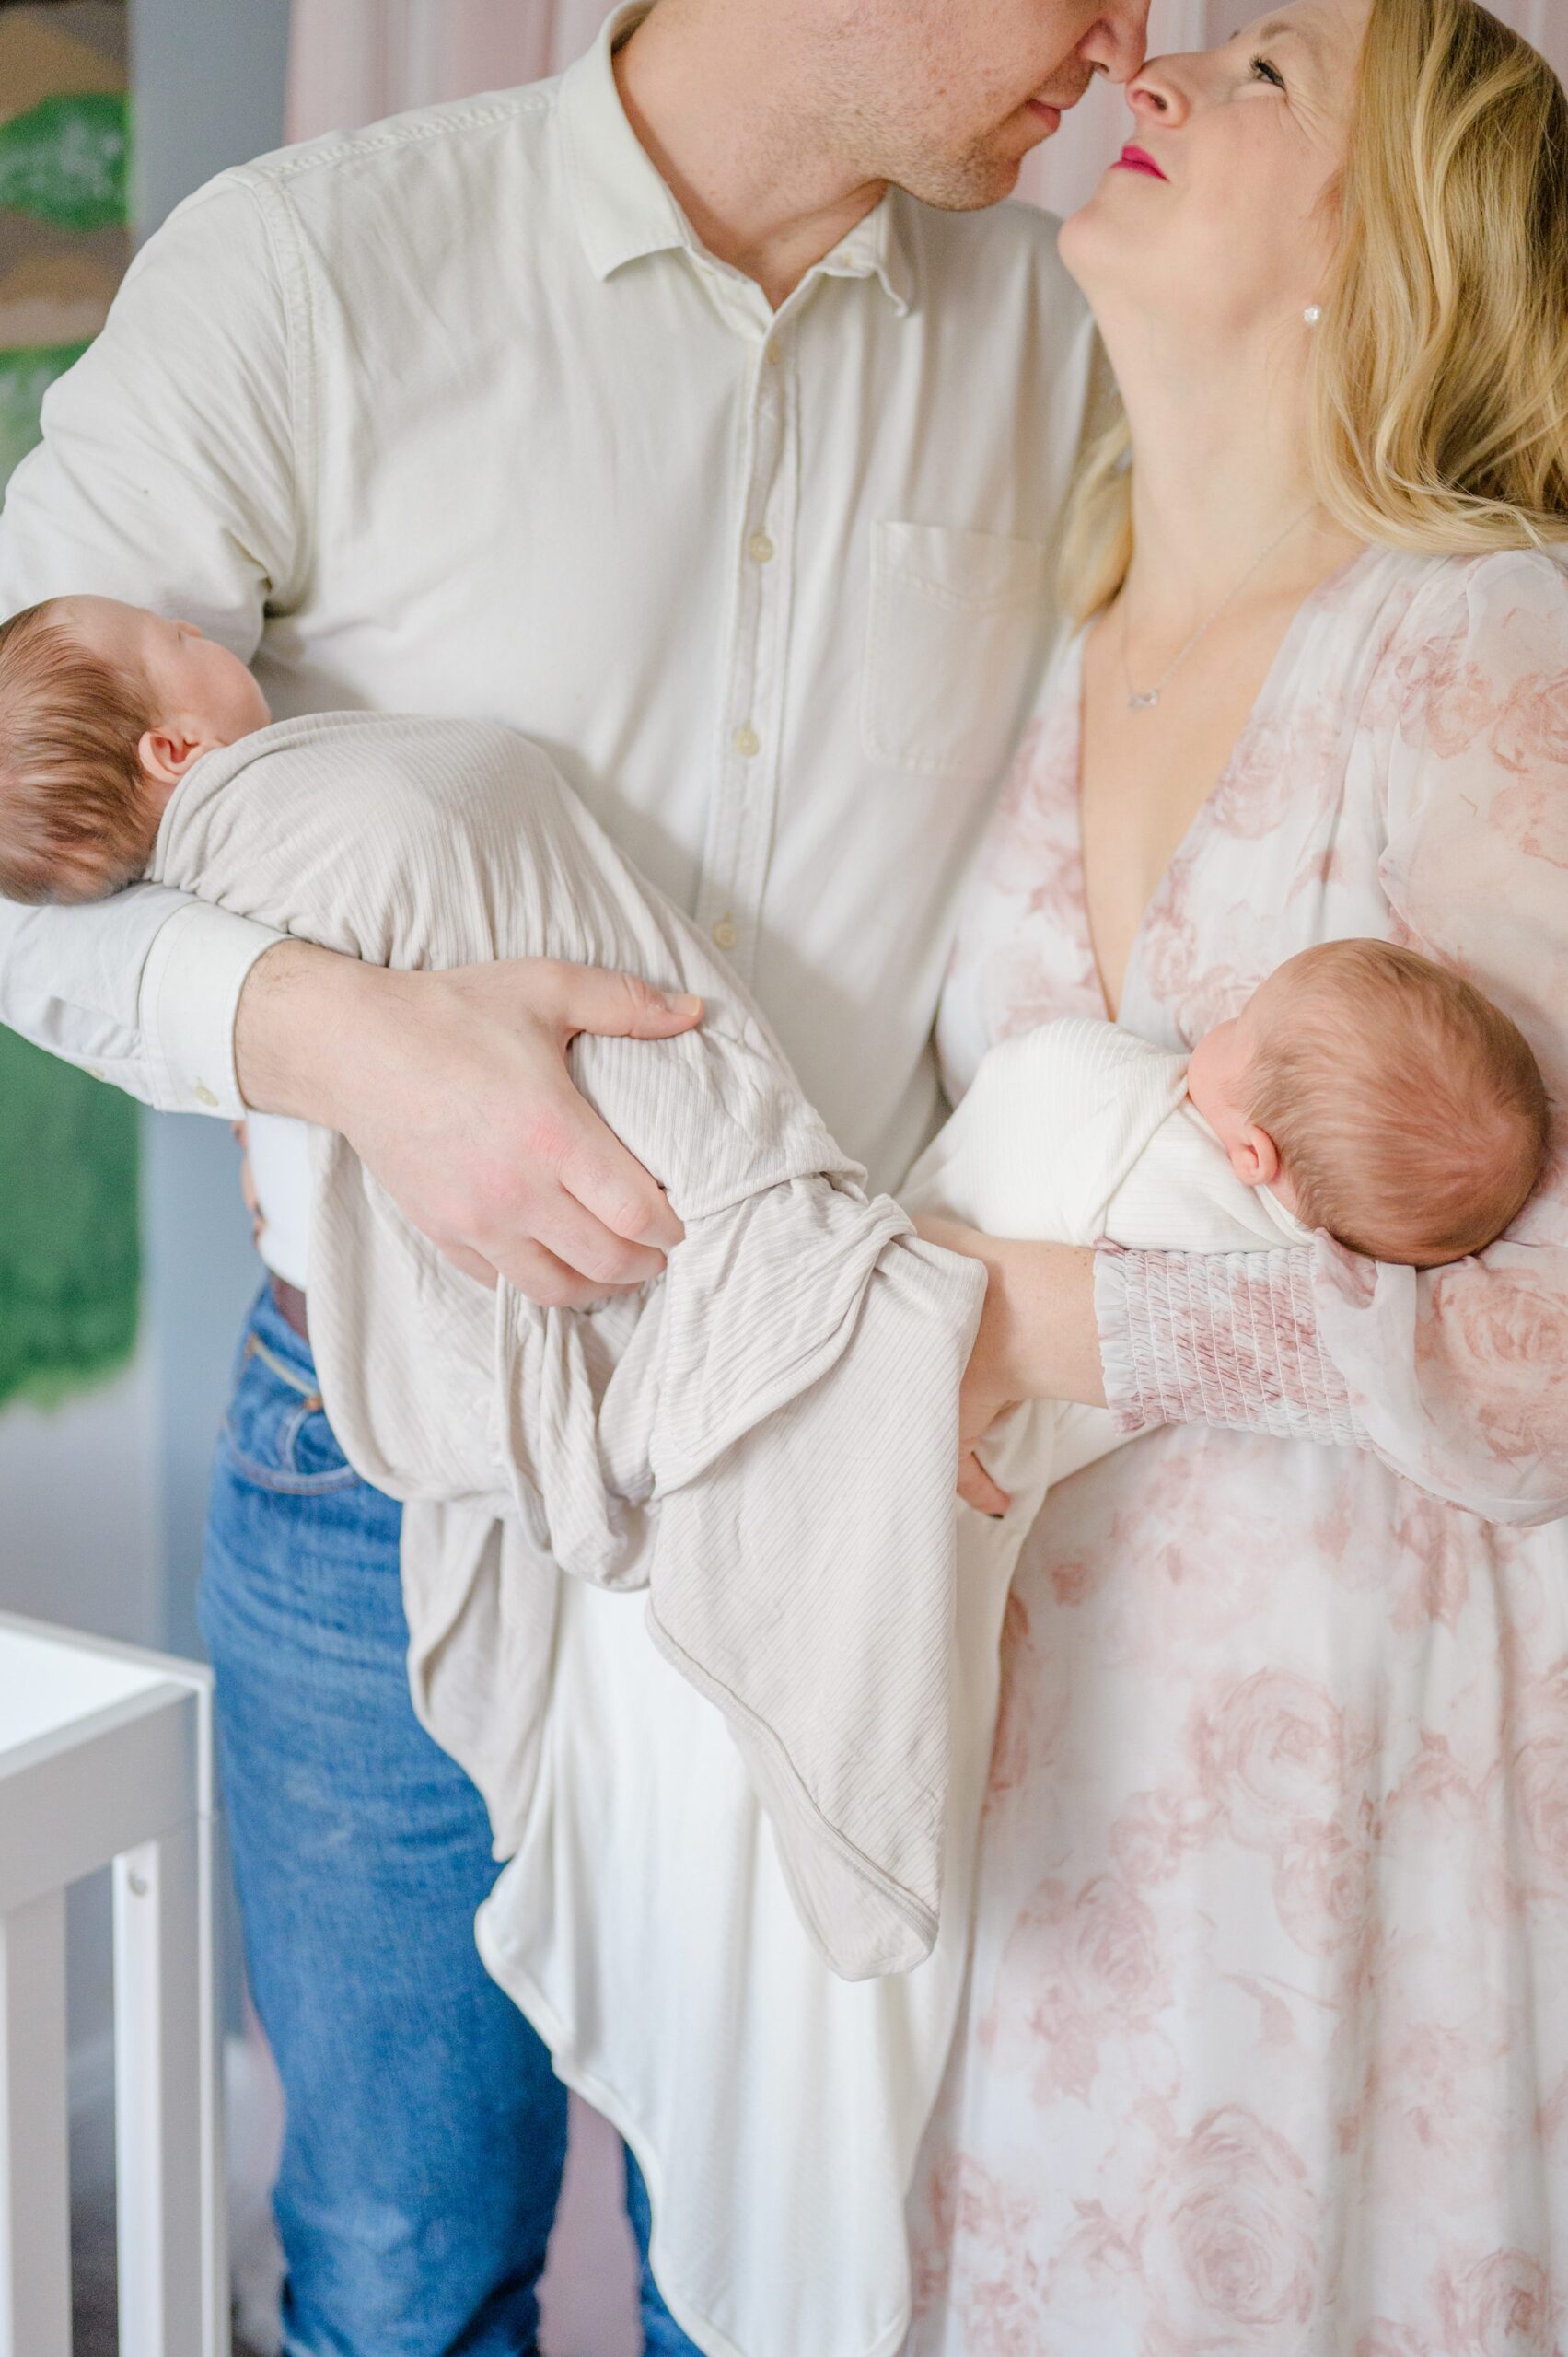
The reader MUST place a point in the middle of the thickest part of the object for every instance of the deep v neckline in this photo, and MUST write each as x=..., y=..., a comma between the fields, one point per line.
x=1262, y=711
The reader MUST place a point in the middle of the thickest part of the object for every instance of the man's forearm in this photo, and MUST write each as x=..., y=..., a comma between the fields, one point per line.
x=295, y=1014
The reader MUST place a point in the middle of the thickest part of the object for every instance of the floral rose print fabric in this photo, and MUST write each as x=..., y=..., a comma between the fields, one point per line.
x=1266, y=2043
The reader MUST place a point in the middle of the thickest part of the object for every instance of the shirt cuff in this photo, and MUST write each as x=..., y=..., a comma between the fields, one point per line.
x=191, y=987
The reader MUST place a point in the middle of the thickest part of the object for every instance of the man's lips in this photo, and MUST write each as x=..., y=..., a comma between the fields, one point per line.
x=1048, y=115
x=1138, y=159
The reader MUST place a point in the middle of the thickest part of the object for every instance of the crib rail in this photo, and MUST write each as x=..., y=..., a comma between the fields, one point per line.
x=106, y=1759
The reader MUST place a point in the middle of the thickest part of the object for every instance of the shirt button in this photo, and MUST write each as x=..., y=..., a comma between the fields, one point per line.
x=748, y=743
x=203, y=1093
x=775, y=355
x=724, y=932
x=763, y=551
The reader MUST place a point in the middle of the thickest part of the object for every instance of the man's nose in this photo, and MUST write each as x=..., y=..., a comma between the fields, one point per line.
x=1117, y=41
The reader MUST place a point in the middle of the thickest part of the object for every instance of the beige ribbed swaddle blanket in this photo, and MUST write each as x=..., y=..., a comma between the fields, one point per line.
x=765, y=1437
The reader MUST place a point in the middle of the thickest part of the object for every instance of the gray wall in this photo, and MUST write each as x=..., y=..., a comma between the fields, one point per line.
x=208, y=76
x=208, y=83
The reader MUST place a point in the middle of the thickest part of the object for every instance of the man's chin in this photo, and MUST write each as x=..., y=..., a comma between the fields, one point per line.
x=967, y=190
x=973, y=184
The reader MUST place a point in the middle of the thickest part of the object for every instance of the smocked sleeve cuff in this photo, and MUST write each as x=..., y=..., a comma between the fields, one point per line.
x=191, y=985
x=1227, y=1338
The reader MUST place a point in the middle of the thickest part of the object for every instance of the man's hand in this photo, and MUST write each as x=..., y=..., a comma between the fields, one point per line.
x=454, y=1089
x=1037, y=1339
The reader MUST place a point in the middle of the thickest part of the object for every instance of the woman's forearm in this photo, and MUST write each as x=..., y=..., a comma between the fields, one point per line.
x=1038, y=1337
x=1040, y=1298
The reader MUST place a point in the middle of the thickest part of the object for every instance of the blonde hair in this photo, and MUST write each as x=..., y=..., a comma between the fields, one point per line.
x=1408, y=1113
x=1439, y=385
x=75, y=823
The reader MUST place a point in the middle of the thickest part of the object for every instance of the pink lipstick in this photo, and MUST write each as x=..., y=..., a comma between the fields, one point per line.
x=1138, y=159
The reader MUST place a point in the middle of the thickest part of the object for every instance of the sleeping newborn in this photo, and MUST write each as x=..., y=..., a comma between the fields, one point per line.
x=764, y=1437
x=1361, y=1089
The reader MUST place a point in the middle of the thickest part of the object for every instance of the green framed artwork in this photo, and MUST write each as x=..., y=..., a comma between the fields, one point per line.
x=70, y=1274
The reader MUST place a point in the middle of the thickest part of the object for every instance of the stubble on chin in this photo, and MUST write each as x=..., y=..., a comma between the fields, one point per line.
x=984, y=176
x=969, y=183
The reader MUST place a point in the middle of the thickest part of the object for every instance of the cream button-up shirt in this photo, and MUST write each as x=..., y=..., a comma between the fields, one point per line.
x=455, y=416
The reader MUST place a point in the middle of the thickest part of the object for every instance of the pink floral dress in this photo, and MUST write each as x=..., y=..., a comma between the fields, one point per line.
x=1266, y=2045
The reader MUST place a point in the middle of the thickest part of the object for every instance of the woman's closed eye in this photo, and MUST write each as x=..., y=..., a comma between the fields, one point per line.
x=1264, y=70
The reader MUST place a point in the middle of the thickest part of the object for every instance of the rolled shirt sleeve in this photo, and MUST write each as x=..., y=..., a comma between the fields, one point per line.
x=172, y=474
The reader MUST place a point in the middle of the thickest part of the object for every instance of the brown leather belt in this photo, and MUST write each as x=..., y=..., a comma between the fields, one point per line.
x=289, y=1302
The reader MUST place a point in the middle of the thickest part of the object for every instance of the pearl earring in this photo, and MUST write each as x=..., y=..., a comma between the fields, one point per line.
x=1312, y=314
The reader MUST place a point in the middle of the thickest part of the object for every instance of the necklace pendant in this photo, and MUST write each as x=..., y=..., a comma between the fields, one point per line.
x=1144, y=703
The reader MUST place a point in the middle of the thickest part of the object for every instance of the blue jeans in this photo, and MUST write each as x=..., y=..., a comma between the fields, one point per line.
x=425, y=2130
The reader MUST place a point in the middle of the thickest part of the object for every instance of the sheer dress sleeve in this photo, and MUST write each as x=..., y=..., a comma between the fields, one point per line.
x=1455, y=1377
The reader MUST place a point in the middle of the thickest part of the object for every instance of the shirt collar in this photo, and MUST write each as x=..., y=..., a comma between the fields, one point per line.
x=624, y=210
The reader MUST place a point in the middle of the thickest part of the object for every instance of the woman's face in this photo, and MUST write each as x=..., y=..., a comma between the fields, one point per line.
x=1217, y=212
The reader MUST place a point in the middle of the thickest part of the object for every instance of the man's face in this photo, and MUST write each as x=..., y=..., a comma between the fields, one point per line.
x=945, y=98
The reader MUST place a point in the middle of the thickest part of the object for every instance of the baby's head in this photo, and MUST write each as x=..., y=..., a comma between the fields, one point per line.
x=103, y=709
x=1382, y=1098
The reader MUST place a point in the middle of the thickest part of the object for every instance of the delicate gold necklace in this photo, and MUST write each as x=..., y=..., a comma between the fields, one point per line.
x=1147, y=700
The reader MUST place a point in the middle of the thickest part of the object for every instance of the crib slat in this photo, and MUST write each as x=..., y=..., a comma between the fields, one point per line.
x=35, y=2185
x=163, y=2095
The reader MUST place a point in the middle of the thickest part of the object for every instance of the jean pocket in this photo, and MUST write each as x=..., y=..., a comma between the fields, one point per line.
x=277, y=1433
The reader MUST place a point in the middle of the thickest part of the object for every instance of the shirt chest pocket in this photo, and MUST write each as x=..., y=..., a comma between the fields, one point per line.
x=958, y=629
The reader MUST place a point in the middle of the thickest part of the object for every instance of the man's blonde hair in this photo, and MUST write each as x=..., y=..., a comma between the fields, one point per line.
x=1409, y=1112
x=1439, y=387
x=73, y=814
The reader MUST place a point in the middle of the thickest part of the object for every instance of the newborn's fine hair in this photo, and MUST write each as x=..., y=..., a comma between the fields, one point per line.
x=1408, y=1111
x=74, y=820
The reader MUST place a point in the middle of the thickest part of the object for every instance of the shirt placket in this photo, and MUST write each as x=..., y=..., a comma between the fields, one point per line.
x=742, y=810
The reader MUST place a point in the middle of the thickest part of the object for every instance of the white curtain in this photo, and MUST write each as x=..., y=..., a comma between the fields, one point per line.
x=353, y=61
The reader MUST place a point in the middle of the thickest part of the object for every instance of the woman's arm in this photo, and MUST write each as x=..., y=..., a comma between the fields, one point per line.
x=1456, y=1377
x=1037, y=1339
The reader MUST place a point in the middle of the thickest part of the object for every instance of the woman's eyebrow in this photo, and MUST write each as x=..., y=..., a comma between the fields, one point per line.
x=1276, y=26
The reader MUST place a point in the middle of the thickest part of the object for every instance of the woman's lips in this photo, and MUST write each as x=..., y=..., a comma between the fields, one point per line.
x=1138, y=159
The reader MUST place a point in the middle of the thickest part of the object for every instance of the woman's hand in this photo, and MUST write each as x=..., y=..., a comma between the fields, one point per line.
x=454, y=1089
x=1038, y=1339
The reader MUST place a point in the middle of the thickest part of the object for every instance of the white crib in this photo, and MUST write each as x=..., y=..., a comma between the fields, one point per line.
x=106, y=1756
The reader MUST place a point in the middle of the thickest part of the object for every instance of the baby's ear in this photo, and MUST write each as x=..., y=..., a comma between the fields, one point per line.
x=166, y=754
x=1254, y=1158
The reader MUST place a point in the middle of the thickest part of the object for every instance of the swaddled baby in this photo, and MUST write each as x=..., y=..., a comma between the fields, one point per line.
x=654, y=1947
x=763, y=1440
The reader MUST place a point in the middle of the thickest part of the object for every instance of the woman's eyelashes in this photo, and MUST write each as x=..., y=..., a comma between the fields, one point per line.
x=1267, y=72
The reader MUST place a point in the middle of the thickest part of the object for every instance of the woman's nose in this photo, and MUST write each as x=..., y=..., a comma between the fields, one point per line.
x=1156, y=93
